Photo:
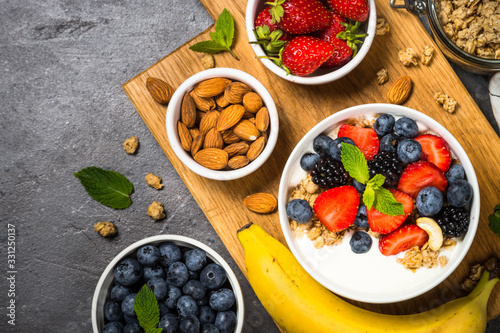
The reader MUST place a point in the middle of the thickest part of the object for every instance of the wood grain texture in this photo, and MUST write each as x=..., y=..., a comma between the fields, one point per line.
x=302, y=107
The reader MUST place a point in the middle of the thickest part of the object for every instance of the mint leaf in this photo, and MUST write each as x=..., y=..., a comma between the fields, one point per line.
x=208, y=46
x=369, y=197
x=386, y=203
x=494, y=220
x=108, y=187
x=147, y=310
x=354, y=162
x=377, y=181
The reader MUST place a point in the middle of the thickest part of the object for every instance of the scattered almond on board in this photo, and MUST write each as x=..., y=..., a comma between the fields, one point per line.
x=160, y=90
x=263, y=203
x=400, y=90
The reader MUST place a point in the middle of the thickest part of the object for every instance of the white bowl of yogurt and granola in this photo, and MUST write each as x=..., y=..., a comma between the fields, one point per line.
x=379, y=203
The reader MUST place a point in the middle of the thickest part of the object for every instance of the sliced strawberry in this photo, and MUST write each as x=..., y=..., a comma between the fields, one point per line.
x=366, y=139
x=419, y=175
x=299, y=16
x=336, y=208
x=435, y=150
x=304, y=54
x=402, y=239
x=382, y=223
x=354, y=9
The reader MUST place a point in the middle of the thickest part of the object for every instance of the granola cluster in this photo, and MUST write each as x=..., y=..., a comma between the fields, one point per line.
x=448, y=103
x=425, y=257
x=473, y=25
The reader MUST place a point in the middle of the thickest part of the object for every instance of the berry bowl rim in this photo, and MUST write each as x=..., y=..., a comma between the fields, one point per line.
x=308, y=263
x=322, y=76
x=103, y=289
x=173, y=115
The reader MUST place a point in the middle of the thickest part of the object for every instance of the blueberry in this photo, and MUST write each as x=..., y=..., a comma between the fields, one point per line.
x=189, y=324
x=456, y=172
x=335, y=147
x=359, y=187
x=389, y=142
x=209, y=328
x=360, y=242
x=299, y=210
x=133, y=327
x=193, y=275
x=149, y=272
x=148, y=255
x=128, y=272
x=409, y=150
x=194, y=288
x=112, y=311
x=406, y=127
x=163, y=308
x=119, y=292
x=225, y=321
x=113, y=327
x=169, y=323
x=429, y=201
x=459, y=193
x=169, y=253
x=361, y=220
x=130, y=319
x=173, y=294
x=177, y=274
x=384, y=124
x=222, y=300
x=203, y=300
x=206, y=315
x=213, y=276
x=195, y=259
x=128, y=305
x=186, y=306
x=308, y=160
x=321, y=145
x=158, y=286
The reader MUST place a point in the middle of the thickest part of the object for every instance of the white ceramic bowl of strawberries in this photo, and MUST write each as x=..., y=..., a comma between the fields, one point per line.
x=320, y=57
x=372, y=276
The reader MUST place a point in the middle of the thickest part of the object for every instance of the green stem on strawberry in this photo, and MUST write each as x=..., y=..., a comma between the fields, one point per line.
x=351, y=35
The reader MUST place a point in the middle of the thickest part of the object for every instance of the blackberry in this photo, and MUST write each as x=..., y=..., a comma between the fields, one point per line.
x=329, y=173
x=453, y=221
x=389, y=165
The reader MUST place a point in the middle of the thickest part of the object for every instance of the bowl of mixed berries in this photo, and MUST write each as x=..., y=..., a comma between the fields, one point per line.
x=309, y=41
x=379, y=203
x=167, y=282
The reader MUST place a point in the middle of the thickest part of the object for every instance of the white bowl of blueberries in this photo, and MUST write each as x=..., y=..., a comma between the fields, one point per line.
x=194, y=288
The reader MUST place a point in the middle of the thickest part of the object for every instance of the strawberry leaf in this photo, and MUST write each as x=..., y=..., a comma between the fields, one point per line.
x=387, y=204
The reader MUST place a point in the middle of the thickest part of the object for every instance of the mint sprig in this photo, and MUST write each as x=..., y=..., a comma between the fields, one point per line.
x=106, y=186
x=375, y=195
x=494, y=220
x=147, y=310
x=222, y=38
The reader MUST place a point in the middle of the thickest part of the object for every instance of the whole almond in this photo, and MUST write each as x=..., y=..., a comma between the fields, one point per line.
x=188, y=111
x=229, y=137
x=212, y=158
x=399, y=90
x=197, y=144
x=160, y=90
x=213, y=139
x=248, y=115
x=194, y=132
x=235, y=91
x=209, y=121
x=199, y=116
x=221, y=101
x=203, y=103
x=252, y=102
x=246, y=130
x=230, y=116
x=211, y=87
x=263, y=203
x=262, y=119
x=238, y=162
x=256, y=148
x=264, y=135
x=184, y=136
x=238, y=148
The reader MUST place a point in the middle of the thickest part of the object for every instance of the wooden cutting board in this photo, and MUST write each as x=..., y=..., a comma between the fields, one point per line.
x=302, y=107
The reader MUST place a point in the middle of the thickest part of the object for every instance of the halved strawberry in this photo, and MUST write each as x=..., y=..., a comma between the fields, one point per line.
x=402, y=239
x=419, y=175
x=435, y=150
x=366, y=139
x=336, y=208
x=382, y=223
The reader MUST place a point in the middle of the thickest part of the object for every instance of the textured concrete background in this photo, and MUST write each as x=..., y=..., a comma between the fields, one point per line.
x=62, y=65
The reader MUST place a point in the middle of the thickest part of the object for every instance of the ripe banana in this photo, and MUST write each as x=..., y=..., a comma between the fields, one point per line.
x=298, y=303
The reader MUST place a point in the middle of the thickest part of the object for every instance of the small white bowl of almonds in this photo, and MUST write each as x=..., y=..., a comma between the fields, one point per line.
x=222, y=123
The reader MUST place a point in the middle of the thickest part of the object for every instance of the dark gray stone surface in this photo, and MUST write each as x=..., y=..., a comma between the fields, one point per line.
x=62, y=109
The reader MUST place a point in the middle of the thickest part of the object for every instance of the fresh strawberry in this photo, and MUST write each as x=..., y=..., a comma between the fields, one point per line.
x=382, y=223
x=342, y=54
x=336, y=208
x=299, y=16
x=402, y=239
x=435, y=150
x=419, y=175
x=366, y=139
x=304, y=54
x=334, y=27
x=265, y=19
x=353, y=9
